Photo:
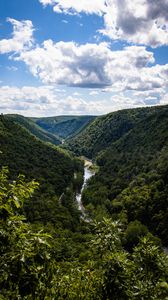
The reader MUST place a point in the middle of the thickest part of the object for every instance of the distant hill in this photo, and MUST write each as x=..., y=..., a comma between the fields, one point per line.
x=64, y=126
x=36, y=130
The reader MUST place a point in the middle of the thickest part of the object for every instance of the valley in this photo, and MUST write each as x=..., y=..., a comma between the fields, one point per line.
x=73, y=230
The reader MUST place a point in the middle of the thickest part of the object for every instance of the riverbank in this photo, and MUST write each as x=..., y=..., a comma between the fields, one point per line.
x=88, y=163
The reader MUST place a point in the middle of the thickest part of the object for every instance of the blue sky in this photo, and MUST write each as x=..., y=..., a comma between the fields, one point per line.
x=82, y=57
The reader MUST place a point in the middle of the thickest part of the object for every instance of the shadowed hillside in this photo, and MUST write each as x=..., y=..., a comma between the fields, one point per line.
x=64, y=126
x=36, y=130
x=54, y=169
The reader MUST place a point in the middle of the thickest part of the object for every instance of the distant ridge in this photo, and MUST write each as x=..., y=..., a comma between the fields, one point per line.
x=34, y=129
x=64, y=126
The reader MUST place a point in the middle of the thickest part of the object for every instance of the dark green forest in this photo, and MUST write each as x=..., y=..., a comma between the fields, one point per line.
x=36, y=130
x=49, y=251
x=130, y=147
x=54, y=168
x=64, y=126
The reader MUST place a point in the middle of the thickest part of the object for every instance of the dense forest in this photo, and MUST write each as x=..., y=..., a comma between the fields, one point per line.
x=54, y=168
x=130, y=148
x=64, y=126
x=107, y=129
x=36, y=130
x=48, y=249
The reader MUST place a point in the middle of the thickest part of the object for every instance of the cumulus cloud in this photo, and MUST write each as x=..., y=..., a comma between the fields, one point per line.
x=69, y=63
x=22, y=37
x=47, y=101
x=73, y=7
x=94, y=66
x=138, y=21
x=43, y=101
x=88, y=65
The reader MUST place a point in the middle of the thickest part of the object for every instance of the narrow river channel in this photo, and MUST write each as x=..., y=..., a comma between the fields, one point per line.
x=88, y=173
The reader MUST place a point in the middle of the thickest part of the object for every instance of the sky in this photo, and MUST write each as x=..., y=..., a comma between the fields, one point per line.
x=86, y=57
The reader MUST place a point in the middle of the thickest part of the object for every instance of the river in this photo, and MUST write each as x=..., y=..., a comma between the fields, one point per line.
x=88, y=173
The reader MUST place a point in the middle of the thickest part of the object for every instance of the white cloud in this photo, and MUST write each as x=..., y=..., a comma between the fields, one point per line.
x=69, y=63
x=92, y=65
x=65, y=21
x=94, y=93
x=43, y=101
x=87, y=66
x=46, y=2
x=47, y=101
x=138, y=21
x=164, y=100
x=76, y=94
x=76, y=6
x=22, y=37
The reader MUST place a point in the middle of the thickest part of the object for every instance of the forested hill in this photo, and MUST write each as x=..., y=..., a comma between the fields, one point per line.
x=47, y=251
x=64, y=126
x=105, y=130
x=34, y=129
x=53, y=168
x=132, y=181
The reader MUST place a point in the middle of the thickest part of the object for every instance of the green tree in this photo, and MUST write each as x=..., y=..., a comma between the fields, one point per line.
x=24, y=259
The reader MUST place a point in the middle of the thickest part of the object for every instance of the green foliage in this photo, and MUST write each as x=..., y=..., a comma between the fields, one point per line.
x=34, y=129
x=59, y=255
x=105, y=130
x=133, y=168
x=64, y=126
x=31, y=269
x=24, y=257
x=54, y=168
x=113, y=273
x=135, y=230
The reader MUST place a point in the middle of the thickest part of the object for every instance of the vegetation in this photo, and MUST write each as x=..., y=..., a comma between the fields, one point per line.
x=36, y=130
x=54, y=168
x=105, y=130
x=132, y=178
x=47, y=251
x=64, y=126
x=30, y=268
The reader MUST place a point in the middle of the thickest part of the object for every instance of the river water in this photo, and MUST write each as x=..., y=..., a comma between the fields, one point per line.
x=87, y=174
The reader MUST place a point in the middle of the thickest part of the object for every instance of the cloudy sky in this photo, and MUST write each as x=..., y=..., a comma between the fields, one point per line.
x=82, y=56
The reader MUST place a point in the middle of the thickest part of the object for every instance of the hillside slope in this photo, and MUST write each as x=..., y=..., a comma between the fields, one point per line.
x=105, y=130
x=36, y=130
x=133, y=171
x=64, y=126
x=54, y=169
